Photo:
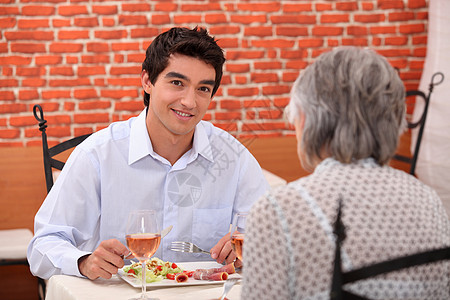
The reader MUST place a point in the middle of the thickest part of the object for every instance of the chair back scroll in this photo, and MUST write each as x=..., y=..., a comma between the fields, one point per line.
x=49, y=153
x=412, y=160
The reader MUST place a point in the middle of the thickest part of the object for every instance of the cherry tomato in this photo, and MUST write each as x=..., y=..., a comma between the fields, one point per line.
x=170, y=276
x=174, y=266
x=159, y=268
x=131, y=271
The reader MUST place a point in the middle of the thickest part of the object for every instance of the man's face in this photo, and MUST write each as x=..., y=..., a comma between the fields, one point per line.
x=180, y=96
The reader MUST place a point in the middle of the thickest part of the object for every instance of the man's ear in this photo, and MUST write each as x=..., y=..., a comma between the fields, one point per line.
x=145, y=81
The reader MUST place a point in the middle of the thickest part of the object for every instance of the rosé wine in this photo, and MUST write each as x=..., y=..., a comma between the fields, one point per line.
x=143, y=245
x=237, y=242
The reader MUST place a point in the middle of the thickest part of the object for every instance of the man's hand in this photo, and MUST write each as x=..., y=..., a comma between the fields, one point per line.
x=104, y=261
x=223, y=253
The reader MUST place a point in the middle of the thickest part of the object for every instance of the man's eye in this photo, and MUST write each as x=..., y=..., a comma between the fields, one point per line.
x=177, y=82
x=205, y=89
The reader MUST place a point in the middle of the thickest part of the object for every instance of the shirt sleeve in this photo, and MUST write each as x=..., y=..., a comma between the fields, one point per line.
x=66, y=224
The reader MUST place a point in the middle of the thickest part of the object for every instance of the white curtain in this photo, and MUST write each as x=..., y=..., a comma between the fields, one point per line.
x=433, y=166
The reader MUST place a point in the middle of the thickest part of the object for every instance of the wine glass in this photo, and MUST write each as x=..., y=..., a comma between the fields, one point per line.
x=237, y=234
x=143, y=238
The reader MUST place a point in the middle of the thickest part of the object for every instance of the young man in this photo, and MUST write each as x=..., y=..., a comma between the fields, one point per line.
x=196, y=176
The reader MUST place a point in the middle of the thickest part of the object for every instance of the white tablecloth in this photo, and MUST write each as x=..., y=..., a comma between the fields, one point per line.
x=14, y=243
x=63, y=287
x=273, y=179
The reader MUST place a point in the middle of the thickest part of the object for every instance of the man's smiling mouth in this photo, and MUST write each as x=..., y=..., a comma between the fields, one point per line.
x=182, y=113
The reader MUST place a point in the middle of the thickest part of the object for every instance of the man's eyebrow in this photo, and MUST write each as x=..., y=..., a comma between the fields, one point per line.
x=208, y=82
x=181, y=76
x=176, y=75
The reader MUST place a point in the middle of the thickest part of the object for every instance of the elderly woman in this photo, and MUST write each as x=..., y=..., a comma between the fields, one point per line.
x=348, y=111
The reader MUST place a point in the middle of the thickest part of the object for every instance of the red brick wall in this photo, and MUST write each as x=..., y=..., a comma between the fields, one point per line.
x=81, y=59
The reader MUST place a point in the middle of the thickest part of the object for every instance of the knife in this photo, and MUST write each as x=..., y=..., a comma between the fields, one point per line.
x=166, y=231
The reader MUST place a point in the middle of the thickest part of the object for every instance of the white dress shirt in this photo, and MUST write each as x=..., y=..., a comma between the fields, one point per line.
x=116, y=171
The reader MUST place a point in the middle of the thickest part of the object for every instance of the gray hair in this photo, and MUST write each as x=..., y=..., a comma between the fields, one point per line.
x=354, y=107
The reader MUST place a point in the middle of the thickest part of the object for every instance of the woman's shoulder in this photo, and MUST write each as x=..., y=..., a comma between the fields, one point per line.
x=284, y=197
x=409, y=181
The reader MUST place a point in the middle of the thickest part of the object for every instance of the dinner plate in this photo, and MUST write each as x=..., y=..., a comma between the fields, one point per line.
x=190, y=266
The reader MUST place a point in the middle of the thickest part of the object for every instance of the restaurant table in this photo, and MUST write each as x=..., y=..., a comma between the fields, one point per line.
x=64, y=287
x=273, y=180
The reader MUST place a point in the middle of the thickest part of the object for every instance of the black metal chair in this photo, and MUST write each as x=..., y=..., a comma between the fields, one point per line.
x=341, y=278
x=50, y=162
x=420, y=124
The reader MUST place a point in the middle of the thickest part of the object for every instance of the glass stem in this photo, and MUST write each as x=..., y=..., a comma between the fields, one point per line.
x=144, y=281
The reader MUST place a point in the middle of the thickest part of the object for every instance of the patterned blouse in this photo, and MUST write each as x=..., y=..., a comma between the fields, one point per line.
x=289, y=242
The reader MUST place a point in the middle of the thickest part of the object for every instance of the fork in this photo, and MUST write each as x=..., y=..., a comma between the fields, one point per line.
x=228, y=285
x=186, y=247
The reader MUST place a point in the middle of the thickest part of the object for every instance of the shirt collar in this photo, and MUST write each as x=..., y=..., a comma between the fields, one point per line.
x=201, y=143
x=141, y=145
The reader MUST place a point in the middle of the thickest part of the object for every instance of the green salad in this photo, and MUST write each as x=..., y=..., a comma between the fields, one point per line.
x=157, y=270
